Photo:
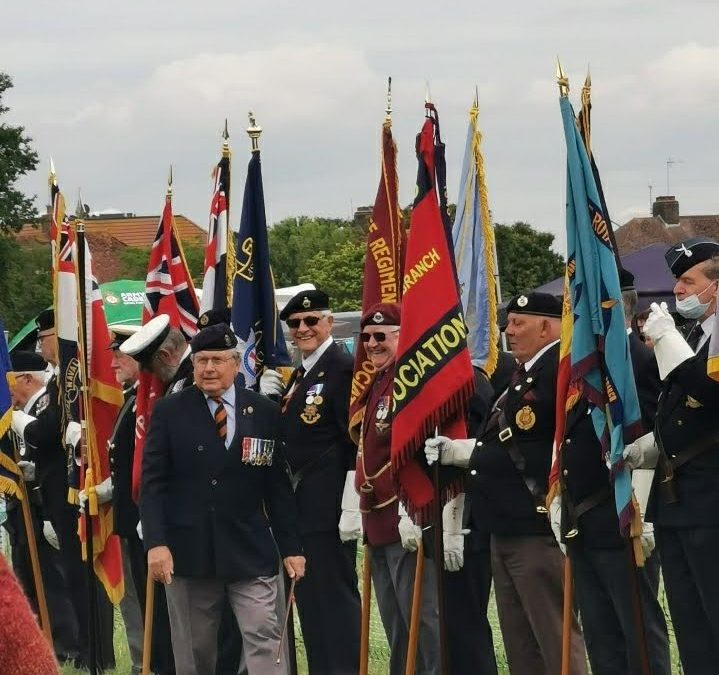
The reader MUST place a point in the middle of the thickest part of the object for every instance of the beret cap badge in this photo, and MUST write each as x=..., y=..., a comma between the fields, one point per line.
x=378, y=318
x=522, y=301
x=306, y=302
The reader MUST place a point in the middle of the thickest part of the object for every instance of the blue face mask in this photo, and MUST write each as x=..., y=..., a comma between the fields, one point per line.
x=691, y=307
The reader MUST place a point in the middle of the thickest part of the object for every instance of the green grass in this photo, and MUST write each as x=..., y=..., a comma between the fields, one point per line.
x=379, y=650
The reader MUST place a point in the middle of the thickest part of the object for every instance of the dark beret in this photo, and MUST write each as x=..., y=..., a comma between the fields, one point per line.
x=538, y=304
x=690, y=252
x=46, y=319
x=626, y=280
x=214, y=316
x=306, y=301
x=382, y=314
x=217, y=337
x=28, y=362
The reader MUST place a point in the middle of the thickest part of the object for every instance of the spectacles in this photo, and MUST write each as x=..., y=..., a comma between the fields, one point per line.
x=309, y=321
x=214, y=361
x=40, y=338
x=379, y=336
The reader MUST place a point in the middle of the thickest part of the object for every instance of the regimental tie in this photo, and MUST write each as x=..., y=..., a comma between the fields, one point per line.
x=220, y=418
x=295, y=384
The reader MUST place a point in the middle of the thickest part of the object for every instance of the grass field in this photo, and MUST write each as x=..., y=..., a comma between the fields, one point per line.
x=379, y=651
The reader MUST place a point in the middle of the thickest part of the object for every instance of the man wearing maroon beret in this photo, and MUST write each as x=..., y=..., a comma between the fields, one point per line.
x=391, y=535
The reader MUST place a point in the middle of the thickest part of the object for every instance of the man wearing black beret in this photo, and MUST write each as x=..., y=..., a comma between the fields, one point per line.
x=684, y=504
x=509, y=465
x=321, y=459
x=215, y=505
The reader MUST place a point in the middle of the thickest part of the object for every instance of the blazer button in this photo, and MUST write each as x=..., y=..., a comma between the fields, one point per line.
x=565, y=472
x=473, y=472
x=200, y=448
x=680, y=422
x=214, y=481
x=479, y=444
x=568, y=441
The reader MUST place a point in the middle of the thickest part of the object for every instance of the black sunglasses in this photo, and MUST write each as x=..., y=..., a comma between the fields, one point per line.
x=379, y=337
x=309, y=321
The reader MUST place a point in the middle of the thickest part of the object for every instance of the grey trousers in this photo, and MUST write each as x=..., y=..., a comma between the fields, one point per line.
x=528, y=585
x=393, y=578
x=195, y=607
x=132, y=611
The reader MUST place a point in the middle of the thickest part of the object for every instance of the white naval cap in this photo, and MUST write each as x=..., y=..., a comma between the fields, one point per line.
x=144, y=343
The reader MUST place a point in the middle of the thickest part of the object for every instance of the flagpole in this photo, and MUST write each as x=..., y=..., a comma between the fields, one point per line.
x=84, y=387
x=230, y=254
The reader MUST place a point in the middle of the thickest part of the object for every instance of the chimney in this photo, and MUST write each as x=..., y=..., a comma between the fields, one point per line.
x=666, y=208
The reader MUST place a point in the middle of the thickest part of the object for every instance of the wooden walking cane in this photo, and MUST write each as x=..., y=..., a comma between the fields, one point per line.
x=416, y=614
x=34, y=558
x=639, y=626
x=567, y=615
x=147, y=637
x=366, y=599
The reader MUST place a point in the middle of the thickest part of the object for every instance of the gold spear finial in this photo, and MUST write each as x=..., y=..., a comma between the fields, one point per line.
x=80, y=208
x=427, y=99
x=562, y=80
x=52, y=177
x=588, y=79
x=587, y=89
x=168, y=195
x=476, y=97
x=388, y=109
x=254, y=131
x=225, y=141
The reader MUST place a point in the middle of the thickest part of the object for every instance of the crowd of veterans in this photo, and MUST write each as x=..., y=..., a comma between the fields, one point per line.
x=249, y=497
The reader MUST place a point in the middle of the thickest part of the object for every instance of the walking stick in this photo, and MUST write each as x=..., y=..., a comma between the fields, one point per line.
x=638, y=616
x=366, y=598
x=147, y=637
x=416, y=614
x=439, y=565
x=288, y=612
x=567, y=616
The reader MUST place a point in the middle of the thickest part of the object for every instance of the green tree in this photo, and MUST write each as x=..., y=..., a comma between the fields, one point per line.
x=295, y=241
x=339, y=274
x=526, y=259
x=25, y=284
x=16, y=159
x=134, y=261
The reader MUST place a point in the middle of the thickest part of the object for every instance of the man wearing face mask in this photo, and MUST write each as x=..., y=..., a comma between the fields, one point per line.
x=684, y=504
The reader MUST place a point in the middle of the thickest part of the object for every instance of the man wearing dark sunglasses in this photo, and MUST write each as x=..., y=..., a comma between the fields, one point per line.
x=320, y=457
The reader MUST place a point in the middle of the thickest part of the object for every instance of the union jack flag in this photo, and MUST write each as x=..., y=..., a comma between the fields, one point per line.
x=168, y=290
x=215, y=290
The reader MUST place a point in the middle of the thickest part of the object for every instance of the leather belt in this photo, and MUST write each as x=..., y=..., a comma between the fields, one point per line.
x=506, y=437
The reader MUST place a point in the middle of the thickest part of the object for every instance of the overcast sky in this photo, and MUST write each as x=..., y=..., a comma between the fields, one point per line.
x=116, y=92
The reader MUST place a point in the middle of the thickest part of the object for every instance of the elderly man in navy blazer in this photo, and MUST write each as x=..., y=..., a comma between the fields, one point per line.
x=216, y=505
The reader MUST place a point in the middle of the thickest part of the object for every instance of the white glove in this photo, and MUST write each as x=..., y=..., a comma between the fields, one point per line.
x=28, y=470
x=643, y=453
x=555, y=519
x=455, y=452
x=72, y=434
x=20, y=420
x=453, y=533
x=642, y=485
x=50, y=535
x=670, y=348
x=409, y=533
x=647, y=539
x=103, y=492
x=139, y=529
x=350, y=525
x=271, y=383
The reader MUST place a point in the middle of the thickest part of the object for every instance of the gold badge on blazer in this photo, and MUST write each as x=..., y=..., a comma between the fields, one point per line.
x=313, y=401
x=525, y=418
x=691, y=402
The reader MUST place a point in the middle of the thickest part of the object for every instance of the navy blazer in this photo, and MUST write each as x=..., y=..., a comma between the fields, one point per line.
x=209, y=505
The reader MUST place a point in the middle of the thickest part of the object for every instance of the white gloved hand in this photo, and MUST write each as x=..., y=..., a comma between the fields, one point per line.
x=647, y=539
x=28, y=470
x=670, y=348
x=138, y=529
x=20, y=420
x=453, y=533
x=271, y=383
x=643, y=453
x=103, y=492
x=50, y=535
x=409, y=533
x=555, y=520
x=72, y=434
x=449, y=452
x=350, y=525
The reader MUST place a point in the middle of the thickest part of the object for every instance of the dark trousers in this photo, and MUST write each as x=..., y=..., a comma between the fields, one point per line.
x=689, y=564
x=329, y=605
x=466, y=597
x=63, y=622
x=75, y=572
x=605, y=593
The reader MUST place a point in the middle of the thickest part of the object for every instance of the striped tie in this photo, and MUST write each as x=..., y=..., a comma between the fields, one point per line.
x=296, y=383
x=220, y=418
